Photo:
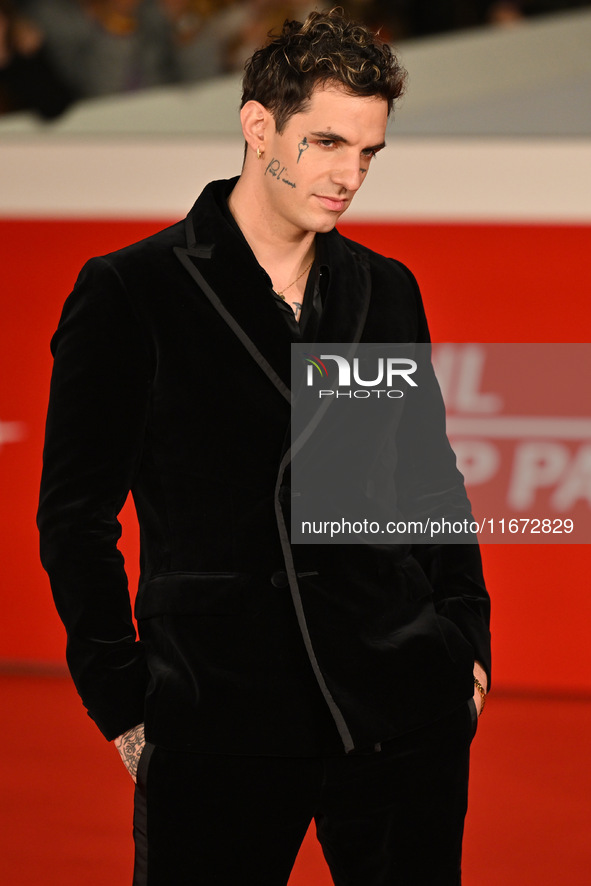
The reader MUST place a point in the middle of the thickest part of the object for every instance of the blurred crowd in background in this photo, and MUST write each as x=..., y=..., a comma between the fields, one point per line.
x=56, y=52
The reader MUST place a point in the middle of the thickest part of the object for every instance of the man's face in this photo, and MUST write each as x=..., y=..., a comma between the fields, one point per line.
x=313, y=169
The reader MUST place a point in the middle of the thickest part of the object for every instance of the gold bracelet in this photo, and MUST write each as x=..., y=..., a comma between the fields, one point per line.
x=481, y=691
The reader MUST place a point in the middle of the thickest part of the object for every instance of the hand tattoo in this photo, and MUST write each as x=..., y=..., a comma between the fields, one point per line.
x=130, y=746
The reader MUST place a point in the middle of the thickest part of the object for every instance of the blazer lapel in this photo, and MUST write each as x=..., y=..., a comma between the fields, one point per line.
x=224, y=267
x=343, y=317
x=347, y=300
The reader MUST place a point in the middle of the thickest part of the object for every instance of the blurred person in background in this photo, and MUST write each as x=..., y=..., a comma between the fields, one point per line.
x=388, y=17
x=203, y=33
x=264, y=17
x=106, y=46
x=504, y=13
x=28, y=78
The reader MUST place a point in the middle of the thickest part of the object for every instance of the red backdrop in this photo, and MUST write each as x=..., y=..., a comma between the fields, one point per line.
x=522, y=283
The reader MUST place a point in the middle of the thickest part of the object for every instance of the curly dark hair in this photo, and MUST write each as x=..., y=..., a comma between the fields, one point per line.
x=325, y=49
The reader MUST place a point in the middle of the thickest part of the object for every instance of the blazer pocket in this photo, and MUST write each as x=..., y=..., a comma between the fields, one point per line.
x=195, y=593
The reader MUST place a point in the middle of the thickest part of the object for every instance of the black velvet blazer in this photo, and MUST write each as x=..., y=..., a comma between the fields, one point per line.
x=171, y=379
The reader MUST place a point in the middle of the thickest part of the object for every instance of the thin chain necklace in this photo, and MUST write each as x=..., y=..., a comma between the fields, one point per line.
x=285, y=288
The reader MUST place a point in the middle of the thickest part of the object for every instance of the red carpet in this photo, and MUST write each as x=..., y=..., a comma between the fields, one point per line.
x=66, y=800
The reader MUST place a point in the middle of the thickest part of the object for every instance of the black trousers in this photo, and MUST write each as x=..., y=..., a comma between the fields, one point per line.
x=394, y=816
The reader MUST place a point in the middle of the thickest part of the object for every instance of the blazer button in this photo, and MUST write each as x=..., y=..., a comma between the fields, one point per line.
x=279, y=580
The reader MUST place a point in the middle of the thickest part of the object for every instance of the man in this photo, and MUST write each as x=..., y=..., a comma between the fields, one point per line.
x=277, y=683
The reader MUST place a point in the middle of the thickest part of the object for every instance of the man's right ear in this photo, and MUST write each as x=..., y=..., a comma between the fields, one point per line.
x=255, y=120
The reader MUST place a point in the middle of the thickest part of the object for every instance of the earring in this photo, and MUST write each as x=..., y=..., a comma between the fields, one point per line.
x=259, y=153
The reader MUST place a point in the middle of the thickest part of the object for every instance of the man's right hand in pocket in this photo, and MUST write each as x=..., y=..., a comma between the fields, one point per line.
x=130, y=746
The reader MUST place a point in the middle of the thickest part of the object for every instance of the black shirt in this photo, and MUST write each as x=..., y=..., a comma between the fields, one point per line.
x=314, y=294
